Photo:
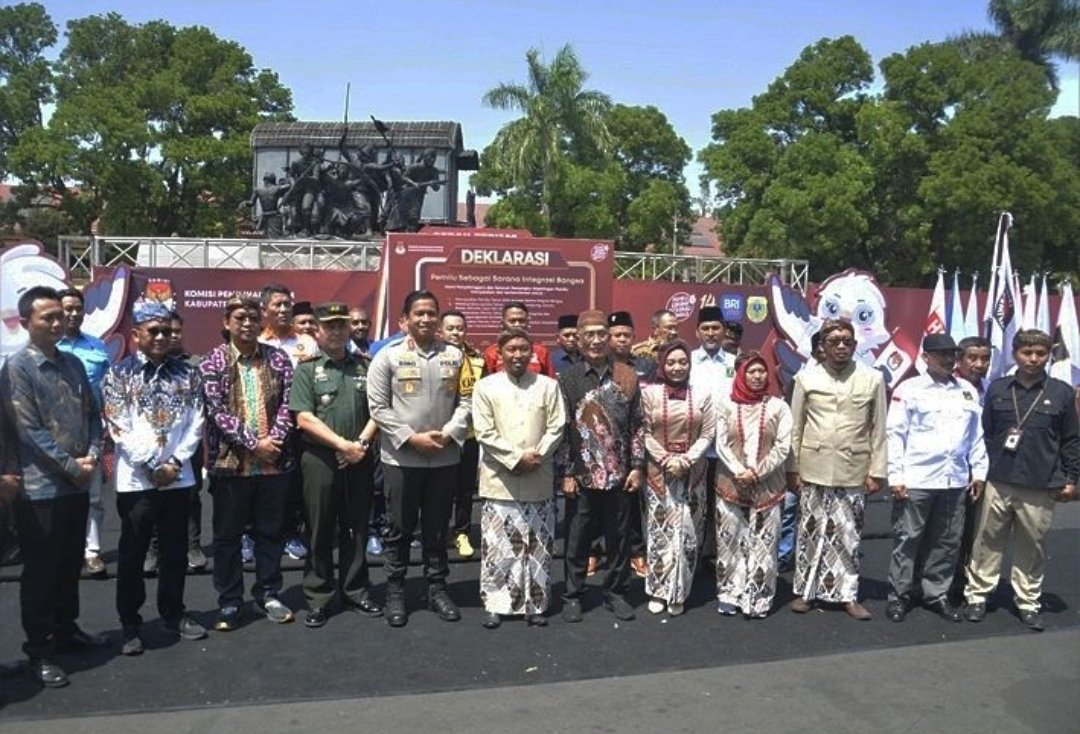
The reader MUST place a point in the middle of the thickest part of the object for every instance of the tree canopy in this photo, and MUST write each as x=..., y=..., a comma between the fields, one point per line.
x=151, y=125
x=903, y=182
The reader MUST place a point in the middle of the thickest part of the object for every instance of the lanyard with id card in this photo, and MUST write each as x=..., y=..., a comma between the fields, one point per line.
x=1012, y=440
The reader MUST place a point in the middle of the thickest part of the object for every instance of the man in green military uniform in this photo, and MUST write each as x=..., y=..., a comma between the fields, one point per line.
x=329, y=397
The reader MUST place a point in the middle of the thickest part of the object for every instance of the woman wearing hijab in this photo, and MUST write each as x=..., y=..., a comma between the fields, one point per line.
x=679, y=426
x=753, y=440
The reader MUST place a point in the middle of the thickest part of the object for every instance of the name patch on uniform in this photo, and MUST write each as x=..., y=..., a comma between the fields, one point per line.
x=407, y=373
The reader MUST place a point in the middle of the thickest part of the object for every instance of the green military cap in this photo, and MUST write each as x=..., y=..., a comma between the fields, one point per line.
x=332, y=311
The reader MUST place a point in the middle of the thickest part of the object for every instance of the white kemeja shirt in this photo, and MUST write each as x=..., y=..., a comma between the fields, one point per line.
x=935, y=436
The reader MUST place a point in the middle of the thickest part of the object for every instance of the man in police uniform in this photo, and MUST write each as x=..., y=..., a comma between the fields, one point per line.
x=329, y=397
x=413, y=392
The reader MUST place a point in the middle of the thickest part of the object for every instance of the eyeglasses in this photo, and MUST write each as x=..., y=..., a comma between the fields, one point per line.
x=156, y=331
x=593, y=336
x=841, y=342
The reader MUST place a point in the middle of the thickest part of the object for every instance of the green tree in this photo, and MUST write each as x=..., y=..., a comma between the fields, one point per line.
x=26, y=31
x=902, y=183
x=151, y=126
x=1037, y=30
x=559, y=117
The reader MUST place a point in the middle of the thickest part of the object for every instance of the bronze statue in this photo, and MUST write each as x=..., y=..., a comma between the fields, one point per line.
x=265, y=198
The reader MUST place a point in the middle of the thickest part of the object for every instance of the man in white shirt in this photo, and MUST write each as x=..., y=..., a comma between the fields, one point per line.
x=936, y=458
x=711, y=373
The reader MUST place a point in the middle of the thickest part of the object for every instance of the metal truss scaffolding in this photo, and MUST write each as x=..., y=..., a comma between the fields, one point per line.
x=81, y=254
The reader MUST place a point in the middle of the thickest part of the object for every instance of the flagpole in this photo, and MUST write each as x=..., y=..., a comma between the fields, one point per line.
x=1004, y=222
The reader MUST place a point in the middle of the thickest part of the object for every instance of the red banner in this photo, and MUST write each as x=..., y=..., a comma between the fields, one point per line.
x=476, y=273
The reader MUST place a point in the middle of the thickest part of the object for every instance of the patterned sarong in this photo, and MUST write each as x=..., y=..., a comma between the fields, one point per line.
x=746, y=540
x=515, y=556
x=827, y=551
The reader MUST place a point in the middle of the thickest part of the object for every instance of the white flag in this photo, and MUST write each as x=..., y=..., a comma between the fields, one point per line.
x=957, y=327
x=1004, y=320
x=935, y=318
x=1031, y=298
x=1042, y=317
x=1067, y=366
x=971, y=318
x=1018, y=294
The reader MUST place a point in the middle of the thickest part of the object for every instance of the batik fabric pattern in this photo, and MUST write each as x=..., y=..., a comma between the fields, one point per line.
x=605, y=439
x=247, y=398
x=827, y=550
x=674, y=506
x=515, y=556
x=746, y=560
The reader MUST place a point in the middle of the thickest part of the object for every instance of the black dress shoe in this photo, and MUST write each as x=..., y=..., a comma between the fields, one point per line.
x=492, y=621
x=316, y=617
x=1032, y=620
x=571, y=611
x=896, y=610
x=944, y=609
x=618, y=606
x=396, y=616
x=81, y=639
x=536, y=620
x=49, y=673
x=440, y=602
x=975, y=612
x=364, y=606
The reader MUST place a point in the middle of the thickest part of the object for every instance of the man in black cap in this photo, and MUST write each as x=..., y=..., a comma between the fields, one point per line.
x=568, y=351
x=621, y=337
x=329, y=397
x=711, y=373
x=303, y=318
x=936, y=458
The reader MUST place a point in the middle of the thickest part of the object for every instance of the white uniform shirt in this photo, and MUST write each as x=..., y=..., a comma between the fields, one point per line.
x=713, y=375
x=935, y=434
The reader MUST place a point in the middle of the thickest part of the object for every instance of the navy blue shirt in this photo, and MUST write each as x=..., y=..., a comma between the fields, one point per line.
x=1048, y=455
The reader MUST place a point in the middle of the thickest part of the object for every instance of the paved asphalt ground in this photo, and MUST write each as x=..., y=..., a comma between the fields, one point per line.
x=698, y=672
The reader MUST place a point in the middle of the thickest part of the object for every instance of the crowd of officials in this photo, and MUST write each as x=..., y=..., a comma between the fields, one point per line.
x=320, y=444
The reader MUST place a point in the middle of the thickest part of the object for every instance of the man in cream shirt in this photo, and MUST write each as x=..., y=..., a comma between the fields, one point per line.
x=838, y=451
x=519, y=418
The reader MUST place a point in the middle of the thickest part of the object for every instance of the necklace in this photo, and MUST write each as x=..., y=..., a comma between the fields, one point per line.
x=760, y=437
x=689, y=421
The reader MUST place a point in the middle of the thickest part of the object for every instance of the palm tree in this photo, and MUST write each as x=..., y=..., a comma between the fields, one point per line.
x=558, y=116
x=1036, y=30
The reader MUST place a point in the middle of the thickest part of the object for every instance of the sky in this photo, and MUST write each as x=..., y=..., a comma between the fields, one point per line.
x=424, y=60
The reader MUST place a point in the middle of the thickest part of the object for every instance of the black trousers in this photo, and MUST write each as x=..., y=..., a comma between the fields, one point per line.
x=637, y=527
x=414, y=493
x=52, y=537
x=468, y=470
x=236, y=501
x=708, y=542
x=608, y=512
x=338, y=504
x=140, y=513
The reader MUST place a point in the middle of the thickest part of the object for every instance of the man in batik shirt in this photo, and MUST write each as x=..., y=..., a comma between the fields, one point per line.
x=154, y=413
x=603, y=458
x=249, y=426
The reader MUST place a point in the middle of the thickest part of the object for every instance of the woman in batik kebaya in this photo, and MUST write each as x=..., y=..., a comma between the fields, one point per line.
x=679, y=425
x=753, y=440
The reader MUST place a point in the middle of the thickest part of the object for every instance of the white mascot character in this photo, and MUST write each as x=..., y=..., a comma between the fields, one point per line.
x=23, y=265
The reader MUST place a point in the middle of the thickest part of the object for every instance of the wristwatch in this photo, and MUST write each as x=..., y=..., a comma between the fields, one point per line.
x=364, y=443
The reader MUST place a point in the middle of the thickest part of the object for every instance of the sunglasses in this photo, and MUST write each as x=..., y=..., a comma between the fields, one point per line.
x=842, y=342
x=156, y=331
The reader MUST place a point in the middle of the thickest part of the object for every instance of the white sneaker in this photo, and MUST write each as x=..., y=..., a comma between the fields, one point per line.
x=656, y=606
x=675, y=609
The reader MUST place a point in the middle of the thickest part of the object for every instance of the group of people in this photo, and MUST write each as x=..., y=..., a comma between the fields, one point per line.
x=669, y=457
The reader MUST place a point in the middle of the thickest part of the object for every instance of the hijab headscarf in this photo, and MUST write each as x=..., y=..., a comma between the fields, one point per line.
x=674, y=390
x=740, y=390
